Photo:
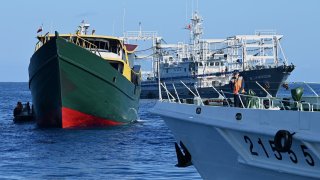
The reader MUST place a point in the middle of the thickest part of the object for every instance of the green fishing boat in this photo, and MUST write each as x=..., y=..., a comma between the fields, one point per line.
x=83, y=80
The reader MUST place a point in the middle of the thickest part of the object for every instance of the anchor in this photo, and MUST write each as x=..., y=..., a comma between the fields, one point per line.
x=184, y=159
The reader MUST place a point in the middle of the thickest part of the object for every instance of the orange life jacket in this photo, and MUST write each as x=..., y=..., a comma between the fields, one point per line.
x=237, y=85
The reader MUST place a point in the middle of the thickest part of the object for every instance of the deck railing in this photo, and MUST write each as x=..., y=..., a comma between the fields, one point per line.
x=75, y=39
x=84, y=44
x=247, y=101
x=40, y=43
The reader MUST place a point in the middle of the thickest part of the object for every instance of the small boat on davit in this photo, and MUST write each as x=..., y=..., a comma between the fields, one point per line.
x=83, y=80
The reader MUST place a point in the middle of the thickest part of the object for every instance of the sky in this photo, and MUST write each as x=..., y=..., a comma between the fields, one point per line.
x=298, y=21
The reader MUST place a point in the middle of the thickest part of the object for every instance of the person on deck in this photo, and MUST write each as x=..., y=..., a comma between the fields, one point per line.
x=28, y=107
x=237, y=87
x=18, y=109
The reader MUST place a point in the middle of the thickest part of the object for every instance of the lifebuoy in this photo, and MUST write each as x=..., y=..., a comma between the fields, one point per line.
x=283, y=140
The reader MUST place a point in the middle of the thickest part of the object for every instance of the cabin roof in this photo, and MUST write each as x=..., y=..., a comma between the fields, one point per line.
x=82, y=36
x=130, y=48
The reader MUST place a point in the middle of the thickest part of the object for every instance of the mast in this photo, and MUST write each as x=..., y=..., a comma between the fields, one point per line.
x=83, y=28
x=158, y=53
x=275, y=50
x=196, y=32
x=158, y=68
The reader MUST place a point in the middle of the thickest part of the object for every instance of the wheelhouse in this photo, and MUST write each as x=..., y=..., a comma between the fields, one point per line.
x=111, y=49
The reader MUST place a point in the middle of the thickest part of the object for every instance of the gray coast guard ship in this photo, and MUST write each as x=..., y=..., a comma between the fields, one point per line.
x=269, y=138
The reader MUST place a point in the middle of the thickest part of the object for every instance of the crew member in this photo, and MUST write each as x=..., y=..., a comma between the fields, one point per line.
x=237, y=87
x=18, y=109
x=28, y=107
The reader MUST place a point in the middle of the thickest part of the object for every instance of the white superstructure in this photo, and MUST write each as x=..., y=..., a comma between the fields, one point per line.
x=240, y=52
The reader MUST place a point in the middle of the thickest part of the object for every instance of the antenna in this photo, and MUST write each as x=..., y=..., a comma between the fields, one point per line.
x=186, y=11
x=124, y=14
x=51, y=27
x=197, y=5
x=192, y=2
x=113, y=28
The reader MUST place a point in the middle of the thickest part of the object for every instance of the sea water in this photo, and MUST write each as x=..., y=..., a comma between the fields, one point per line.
x=142, y=150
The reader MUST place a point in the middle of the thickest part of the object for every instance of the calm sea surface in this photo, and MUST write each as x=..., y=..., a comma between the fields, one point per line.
x=143, y=150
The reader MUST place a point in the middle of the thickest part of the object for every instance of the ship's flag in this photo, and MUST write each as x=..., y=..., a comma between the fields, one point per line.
x=188, y=27
x=40, y=29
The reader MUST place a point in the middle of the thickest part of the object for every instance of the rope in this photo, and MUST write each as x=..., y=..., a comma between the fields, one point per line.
x=144, y=50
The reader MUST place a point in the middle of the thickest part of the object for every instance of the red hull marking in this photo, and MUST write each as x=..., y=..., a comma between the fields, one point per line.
x=72, y=119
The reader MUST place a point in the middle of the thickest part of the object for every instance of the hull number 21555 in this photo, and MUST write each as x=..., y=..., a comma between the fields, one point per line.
x=276, y=154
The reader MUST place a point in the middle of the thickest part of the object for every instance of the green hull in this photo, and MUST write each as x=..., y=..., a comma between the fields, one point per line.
x=72, y=87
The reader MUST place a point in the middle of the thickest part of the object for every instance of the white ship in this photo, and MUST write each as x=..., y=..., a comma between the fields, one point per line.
x=271, y=138
x=210, y=62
